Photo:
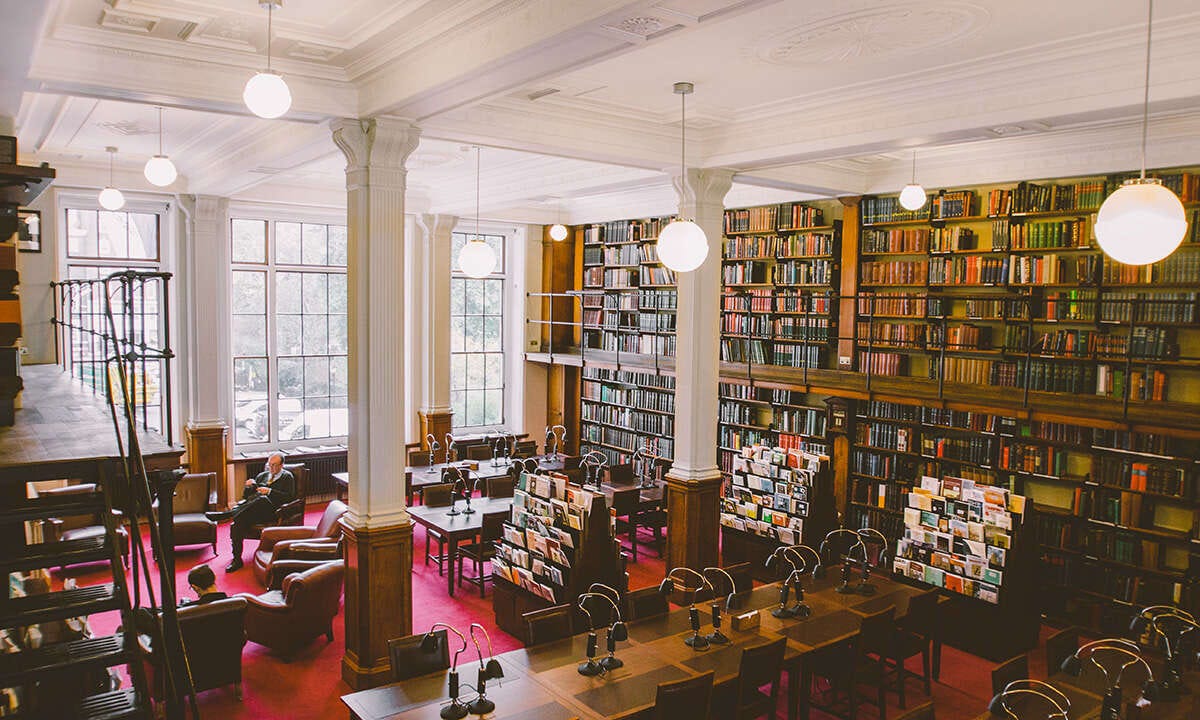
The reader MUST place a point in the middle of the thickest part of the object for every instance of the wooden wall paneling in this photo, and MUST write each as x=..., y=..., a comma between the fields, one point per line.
x=378, y=599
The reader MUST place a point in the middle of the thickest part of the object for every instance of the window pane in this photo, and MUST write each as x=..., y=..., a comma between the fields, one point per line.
x=252, y=421
x=338, y=376
x=316, y=376
x=81, y=233
x=287, y=243
x=249, y=335
x=494, y=407
x=337, y=335
x=475, y=371
x=457, y=342
x=491, y=334
x=315, y=295
x=337, y=245
x=458, y=372
x=316, y=335
x=114, y=240
x=287, y=335
x=457, y=240
x=287, y=292
x=474, y=413
x=492, y=299
x=249, y=292
x=456, y=296
x=315, y=250
x=143, y=236
x=316, y=419
x=338, y=300
x=249, y=241
x=474, y=297
x=493, y=370
x=291, y=377
x=250, y=378
x=497, y=243
x=473, y=327
x=339, y=417
x=458, y=403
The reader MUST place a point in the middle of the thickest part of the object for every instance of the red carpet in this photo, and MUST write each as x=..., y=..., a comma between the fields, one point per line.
x=310, y=685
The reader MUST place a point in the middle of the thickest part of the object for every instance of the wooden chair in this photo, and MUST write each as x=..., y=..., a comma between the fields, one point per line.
x=916, y=637
x=437, y=496
x=644, y=603
x=760, y=665
x=921, y=712
x=548, y=625
x=499, y=487
x=482, y=550
x=687, y=698
x=481, y=451
x=1059, y=646
x=418, y=458
x=525, y=449
x=625, y=504
x=862, y=661
x=1013, y=669
x=408, y=660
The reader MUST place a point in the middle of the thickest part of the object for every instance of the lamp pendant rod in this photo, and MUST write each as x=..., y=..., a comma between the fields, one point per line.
x=111, y=151
x=914, y=173
x=477, y=152
x=682, y=136
x=160, y=111
x=270, y=17
x=1146, y=93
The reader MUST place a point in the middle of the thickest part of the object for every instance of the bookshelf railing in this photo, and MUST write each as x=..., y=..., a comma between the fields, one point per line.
x=140, y=335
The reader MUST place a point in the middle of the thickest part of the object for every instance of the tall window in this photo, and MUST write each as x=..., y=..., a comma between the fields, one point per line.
x=99, y=243
x=477, y=340
x=289, y=331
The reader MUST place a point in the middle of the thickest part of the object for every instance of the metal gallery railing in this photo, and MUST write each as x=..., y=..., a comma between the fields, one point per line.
x=139, y=334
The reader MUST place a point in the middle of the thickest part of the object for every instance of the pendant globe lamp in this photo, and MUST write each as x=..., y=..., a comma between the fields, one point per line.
x=558, y=231
x=913, y=197
x=110, y=197
x=477, y=259
x=682, y=245
x=1142, y=222
x=266, y=94
x=159, y=170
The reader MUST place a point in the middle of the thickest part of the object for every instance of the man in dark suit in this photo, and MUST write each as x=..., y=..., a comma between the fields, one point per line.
x=272, y=489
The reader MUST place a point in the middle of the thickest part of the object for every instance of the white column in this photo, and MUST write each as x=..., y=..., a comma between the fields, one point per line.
x=698, y=329
x=205, y=288
x=433, y=311
x=376, y=150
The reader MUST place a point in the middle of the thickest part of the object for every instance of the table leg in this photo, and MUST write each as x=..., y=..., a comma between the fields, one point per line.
x=793, y=698
x=937, y=659
x=451, y=559
x=804, y=688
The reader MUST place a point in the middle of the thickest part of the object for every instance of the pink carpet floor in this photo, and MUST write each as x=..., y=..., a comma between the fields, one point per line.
x=310, y=685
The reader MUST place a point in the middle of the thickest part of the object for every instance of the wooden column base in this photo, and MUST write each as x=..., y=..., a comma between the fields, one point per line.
x=378, y=600
x=207, y=452
x=693, y=521
x=439, y=423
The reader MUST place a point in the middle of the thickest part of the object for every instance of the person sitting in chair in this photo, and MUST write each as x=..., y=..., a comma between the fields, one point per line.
x=272, y=489
x=203, y=582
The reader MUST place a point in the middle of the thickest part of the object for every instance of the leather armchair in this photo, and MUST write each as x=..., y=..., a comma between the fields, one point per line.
x=81, y=527
x=288, y=619
x=214, y=634
x=190, y=503
x=305, y=542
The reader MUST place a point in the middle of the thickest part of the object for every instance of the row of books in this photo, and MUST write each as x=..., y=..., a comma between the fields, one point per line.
x=785, y=216
x=958, y=337
x=977, y=450
x=738, y=438
x=1033, y=458
x=951, y=239
x=654, y=423
x=895, y=240
x=1167, y=307
x=881, y=363
x=622, y=342
x=882, y=465
x=805, y=421
x=890, y=333
x=651, y=275
x=1183, y=266
x=779, y=246
x=884, y=435
x=1029, y=197
x=803, y=272
x=961, y=419
x=969, y=270
x=1007, y=235
x=1142, y=342
x=1078, y=574
x=893, y=304
x=762, y=352
x=625, y=440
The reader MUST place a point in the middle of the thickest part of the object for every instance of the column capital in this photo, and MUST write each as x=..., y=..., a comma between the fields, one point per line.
x=436, y=225
x=702, y=186
x=199, y=208
x=376, y=142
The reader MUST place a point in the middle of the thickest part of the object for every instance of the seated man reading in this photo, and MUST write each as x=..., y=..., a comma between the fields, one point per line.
x=272, y=489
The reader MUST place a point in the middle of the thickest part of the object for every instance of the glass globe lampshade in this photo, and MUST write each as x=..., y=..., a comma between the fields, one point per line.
x=267, y=95
x=111, y=199
x=477, y=259
x=558, y=232
x=682, y=246
x=912, y=197
x=33, y=224
x=1141, y=223
x=160, y=171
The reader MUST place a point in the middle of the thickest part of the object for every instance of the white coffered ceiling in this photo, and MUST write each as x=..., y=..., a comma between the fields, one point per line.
x=572, y=98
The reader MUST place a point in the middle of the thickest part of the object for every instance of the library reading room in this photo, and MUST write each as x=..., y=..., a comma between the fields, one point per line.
x=585, y=359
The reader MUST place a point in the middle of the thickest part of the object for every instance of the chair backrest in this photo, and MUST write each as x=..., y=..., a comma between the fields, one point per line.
x=1059, y=646
x=214, y=634
x=619, y=474
x=438, y=495
x=482, y=451
x=876, y=631
x=299, y=472
x=492, y=528
x=1012, y=669
x=548, y=625
x=570, y=462
x=689, y=697
x=575, y=475
x=418, y=458
x=328, y=527
x=315, y=594
x=191, y=493
x=644, y=603
x=408, y=660
x=500, y=487
x=625, y=502
x=921, y=712
x=452, y=474
x=525, y=448
x=743, y=576
x=760, y=665
x=921, y=617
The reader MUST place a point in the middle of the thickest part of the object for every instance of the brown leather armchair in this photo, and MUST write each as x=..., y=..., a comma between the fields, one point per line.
x=292, y=513
x=189, y=505
x=80, y=527
x=214, y=634
x=314, y=543
x=288, y=619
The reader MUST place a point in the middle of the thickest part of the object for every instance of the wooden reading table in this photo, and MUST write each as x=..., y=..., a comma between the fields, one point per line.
x=458, y=527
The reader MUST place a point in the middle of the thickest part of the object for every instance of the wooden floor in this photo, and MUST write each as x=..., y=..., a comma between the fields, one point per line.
x=61, y=420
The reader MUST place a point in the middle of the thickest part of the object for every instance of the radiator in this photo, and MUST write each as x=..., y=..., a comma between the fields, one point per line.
x=319, y=474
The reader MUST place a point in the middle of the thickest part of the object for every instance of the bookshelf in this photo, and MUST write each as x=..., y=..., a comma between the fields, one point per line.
x=556, y=542
x=624, y=410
